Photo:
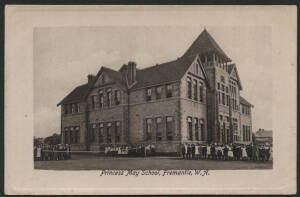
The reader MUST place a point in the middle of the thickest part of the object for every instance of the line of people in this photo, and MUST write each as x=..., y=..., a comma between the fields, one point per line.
x=139, y=150
x=45, y=152
x=226, y=152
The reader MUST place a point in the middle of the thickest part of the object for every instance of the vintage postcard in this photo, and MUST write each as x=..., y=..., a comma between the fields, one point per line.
x=150, y=99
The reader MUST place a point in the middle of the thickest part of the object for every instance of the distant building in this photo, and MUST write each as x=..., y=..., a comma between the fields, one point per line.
x=264, y=137
x=195, y=98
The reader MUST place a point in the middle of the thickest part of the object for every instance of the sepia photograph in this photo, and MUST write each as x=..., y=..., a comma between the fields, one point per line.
x=150, y=99
x=133, y=110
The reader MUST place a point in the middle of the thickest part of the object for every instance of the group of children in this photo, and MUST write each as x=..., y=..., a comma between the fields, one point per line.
x=126, y=150
x=45, y=152
x=226, y=152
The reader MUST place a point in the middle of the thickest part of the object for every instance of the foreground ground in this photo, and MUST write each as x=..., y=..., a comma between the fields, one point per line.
x=91, y=162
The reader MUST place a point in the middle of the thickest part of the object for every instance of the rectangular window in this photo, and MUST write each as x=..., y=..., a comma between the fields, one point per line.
x=67, y=136
x=93, y=102
x=202, y=129
x=76, y=107
x=170, y=128
x=77, y=135
x=221, y=118
x=101, y=99
x=189, y=88
x=226, y=89
x=196, y=129
x=69, y=108
x=117, y=97
x=190, y=128
x=92, y=133
x=71, y=135
x=169, y=90
x=117, y=132
x=73, y=108
x=219, y=97
x=101, y=133
x=223, y=98
x=159, y=129
x=223, y=88
x=201, y=92
x=65, y=109
x=218, y=86
x=108, y=92
x=158, y=92
x=195, y=90
x=108, y=133
x=227, y=100
x=148, y=128
x=148, y=94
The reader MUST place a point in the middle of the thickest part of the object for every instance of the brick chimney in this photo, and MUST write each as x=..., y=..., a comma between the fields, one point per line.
x=128, y=72
x=91, y=78
x=131, y=73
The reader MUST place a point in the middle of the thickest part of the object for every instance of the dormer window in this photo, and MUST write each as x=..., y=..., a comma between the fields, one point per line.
x=169, y=90
x=158, y=92
x=148, y=94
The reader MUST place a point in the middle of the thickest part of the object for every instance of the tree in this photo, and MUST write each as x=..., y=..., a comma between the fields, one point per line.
x=53, y=140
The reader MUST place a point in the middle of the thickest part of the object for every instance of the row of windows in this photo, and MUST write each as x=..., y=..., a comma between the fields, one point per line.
x=195, y=94
x=71, y=135
x=223, y=99
x=156, y=128
x=245, y=109
x=246, y=133
x=195, y=128
x=116, y=100
x=222, y=87
x=158, y=92
x=71, y=108
x=109, y=132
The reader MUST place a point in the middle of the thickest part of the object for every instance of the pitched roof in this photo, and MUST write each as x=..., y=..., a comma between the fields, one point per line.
x=205, y=44
x=264, y=133
x=79, y=93
x=76, y=94
x=162, y=73
x=245, y=102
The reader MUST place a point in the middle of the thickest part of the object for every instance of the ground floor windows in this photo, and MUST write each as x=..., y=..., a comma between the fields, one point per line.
x=246, y=133
x=196, y=129
x=148, y=128
x=71, y=135
x=101, y=133
x=190, y=128
x=170, y=128
x=117, y=132
x=159, y=129
x=108, y=133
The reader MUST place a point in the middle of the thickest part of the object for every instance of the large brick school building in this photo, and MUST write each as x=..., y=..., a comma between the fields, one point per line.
x=195, y=98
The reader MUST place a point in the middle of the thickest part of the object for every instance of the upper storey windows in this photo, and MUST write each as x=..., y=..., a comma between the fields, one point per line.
x=245, y=109
x=159, y=92
x=105, y=98
x=72, y=108
x=195, y=89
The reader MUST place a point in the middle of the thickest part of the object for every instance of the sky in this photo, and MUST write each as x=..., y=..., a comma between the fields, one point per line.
x=64, y=56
